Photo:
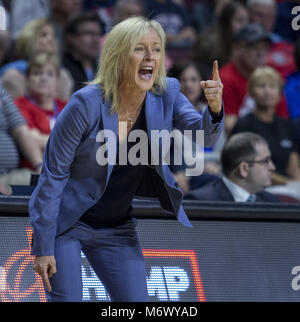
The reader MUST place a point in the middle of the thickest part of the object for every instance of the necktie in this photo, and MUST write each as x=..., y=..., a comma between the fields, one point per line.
x=251, y=198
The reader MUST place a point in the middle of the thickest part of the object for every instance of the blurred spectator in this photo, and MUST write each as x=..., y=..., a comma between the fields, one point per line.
x=206, y=13
x=292, y=87
x=292, y=93
x=264, y=12
x=175, y=21
x=5, y=40
x=189, y=75
x=284, y=19
x=265, y=86
x=37, y=36
x=249, y=52
x=4, y=189
x=105, y=10
x=127, y=8
x=60, y=12
x=215, y=41
x=15, y=139
x=280, y=54
x=4, y=46
x=82, y=47
x=21, y=12
x=41, y=107
x=247, y=170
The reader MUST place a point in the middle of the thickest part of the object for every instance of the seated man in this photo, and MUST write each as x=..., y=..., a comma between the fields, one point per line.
x=247, y=170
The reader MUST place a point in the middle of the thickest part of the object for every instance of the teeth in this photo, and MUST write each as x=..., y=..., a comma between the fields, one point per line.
x=148, y=68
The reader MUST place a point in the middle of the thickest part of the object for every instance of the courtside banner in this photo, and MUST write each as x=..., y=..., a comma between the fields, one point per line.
x=216, y=260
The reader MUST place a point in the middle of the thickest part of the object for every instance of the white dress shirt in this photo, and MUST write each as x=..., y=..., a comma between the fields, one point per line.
x=239, y=194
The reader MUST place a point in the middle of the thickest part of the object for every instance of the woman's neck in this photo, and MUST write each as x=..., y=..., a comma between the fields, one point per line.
x=131, y=100
x=265, y=114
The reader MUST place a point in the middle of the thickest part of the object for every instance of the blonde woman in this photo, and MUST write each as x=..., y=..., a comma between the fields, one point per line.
x=83, y=199
x=265, y=86
x=37, y=36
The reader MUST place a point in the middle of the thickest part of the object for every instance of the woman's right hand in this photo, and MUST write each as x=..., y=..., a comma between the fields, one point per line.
x=46, y=267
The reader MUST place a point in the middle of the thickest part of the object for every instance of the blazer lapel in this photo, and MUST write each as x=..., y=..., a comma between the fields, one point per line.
x=110, y=122
x=154, y=112
x=154, y=120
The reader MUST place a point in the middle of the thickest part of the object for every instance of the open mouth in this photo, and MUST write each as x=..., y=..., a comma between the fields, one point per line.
x=146, y=73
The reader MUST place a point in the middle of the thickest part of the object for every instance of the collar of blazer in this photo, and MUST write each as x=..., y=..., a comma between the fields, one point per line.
x=154, y=120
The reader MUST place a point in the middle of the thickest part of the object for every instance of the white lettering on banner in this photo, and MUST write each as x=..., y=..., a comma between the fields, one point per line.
x=296, y=280
x=177, y=281
x=296, y=20
x=156, y=284
x=167, y=282
x=92, y=286
x=3, y=285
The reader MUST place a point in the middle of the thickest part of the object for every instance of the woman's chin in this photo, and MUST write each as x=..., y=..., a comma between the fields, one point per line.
x=144, y=85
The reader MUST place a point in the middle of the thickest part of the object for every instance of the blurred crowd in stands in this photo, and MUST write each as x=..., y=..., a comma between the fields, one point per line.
x=50, y=49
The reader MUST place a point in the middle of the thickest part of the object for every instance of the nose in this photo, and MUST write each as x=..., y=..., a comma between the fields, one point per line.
x=50, y=39
x=43, y=77
x=261, y=54
x=271, y=166
x=148, y=54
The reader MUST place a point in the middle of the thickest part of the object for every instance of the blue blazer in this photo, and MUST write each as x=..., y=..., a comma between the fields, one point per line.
x=72, y=181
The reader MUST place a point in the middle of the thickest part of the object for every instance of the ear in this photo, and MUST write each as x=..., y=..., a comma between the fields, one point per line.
x=243, y=169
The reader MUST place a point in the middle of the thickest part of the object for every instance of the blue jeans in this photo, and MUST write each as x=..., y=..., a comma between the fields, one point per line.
x=114, y=254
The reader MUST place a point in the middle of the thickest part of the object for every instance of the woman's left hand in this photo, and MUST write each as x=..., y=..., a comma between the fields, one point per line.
x=213, y=90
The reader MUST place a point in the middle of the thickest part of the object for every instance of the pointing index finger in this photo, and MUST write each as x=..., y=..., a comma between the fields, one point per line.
x=215, y=71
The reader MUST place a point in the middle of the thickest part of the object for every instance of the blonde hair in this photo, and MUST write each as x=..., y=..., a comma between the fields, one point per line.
x=264, y=74
x=117, y=49
x=42, y=59
x=26, y=42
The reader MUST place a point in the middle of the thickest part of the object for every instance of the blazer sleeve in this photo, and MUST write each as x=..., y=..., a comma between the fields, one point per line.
x=59, y=154
x=185, y=117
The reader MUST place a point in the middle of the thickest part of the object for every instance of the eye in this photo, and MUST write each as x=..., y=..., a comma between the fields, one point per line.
x=50, y=73
x=260, y=85
x=36, y=73
x=139, y=48
x=157, y=50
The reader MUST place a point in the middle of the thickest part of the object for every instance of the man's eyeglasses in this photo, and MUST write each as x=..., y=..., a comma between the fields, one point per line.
x=264, y=161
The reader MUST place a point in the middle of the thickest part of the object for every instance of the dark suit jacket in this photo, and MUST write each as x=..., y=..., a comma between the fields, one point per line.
x=217, y=191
